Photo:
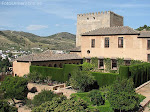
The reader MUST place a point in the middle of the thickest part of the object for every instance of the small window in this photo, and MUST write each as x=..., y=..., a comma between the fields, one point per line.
x=148, y=44
x=107, y=42
x=93, y=43
x=114, y=64
x=88, y=60
x=127, y=62
x=120, y=42
x=101, y=64
x=148, y=57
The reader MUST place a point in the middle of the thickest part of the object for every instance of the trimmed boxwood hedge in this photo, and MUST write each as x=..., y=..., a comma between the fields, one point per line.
x=68, y=69
x=56, y=73
x=104, y=79
x=139, y=72
x=124, y=71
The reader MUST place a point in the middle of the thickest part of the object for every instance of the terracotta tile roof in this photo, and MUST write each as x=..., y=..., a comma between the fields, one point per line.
x=76, y=49
x=120, y=30
x=48, y=57
x=144, y=34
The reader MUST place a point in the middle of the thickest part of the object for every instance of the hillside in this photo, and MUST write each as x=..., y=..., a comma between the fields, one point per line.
x=26, y=41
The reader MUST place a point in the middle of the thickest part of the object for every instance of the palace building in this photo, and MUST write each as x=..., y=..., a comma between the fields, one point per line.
x=100, y=35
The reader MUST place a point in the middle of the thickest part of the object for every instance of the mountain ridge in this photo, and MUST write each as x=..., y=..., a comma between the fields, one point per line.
x=26, y=41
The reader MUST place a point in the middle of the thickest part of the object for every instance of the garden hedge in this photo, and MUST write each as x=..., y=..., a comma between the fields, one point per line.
x=68, y=69
x=104, y=79
x=56, y=73
x=139, y=72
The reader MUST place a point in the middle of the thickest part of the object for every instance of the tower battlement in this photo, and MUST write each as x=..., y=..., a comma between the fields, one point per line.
x=98, y=14
x=93, y=14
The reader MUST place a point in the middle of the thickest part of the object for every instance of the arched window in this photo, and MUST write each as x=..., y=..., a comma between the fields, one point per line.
x=49, y=65
x=60, y=65
x=55, y=65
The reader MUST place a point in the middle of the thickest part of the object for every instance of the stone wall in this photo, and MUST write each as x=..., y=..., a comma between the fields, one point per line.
x=21, y=68
x=92, y=21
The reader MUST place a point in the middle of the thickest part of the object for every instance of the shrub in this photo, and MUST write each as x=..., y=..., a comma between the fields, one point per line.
x=96, y=97
x=43, y=97
x=33, y=77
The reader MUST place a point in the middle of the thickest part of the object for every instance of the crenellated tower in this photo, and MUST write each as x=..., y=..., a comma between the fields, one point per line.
x=92, y=21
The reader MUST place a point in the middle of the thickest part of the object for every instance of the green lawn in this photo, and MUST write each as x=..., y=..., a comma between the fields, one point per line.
x=103, y=108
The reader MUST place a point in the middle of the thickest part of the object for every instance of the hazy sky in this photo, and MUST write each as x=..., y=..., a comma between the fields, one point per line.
x=46, y=17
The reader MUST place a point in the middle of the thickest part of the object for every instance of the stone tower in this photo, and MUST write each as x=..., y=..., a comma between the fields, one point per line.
x=92, y=21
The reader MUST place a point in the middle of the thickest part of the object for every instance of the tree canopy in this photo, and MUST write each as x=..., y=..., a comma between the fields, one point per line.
x=145, y=27
x=14, y=87
x=62, y=104
x=122, y=95
x=81, y=80
x=4, y=64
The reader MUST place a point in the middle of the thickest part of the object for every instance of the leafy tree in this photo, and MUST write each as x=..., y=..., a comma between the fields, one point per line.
x=81, y=80
x=4, y=65
x=14, y=88
x=87, y=66
x=145, y=27
x=96, y=97
x=43, y=97
x=5, y=107
x=122, y=95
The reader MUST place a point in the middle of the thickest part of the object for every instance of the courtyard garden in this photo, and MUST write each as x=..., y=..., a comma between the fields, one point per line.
x=96, y=90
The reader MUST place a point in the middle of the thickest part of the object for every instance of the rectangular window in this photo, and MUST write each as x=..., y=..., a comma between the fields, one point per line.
x=148, y=44
x=101, y=64
x=93, y=43
x=127, y=62
x=88, y=60
x=107, y=42
x=148, y=57
x=114, y=64
x=120, y=42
